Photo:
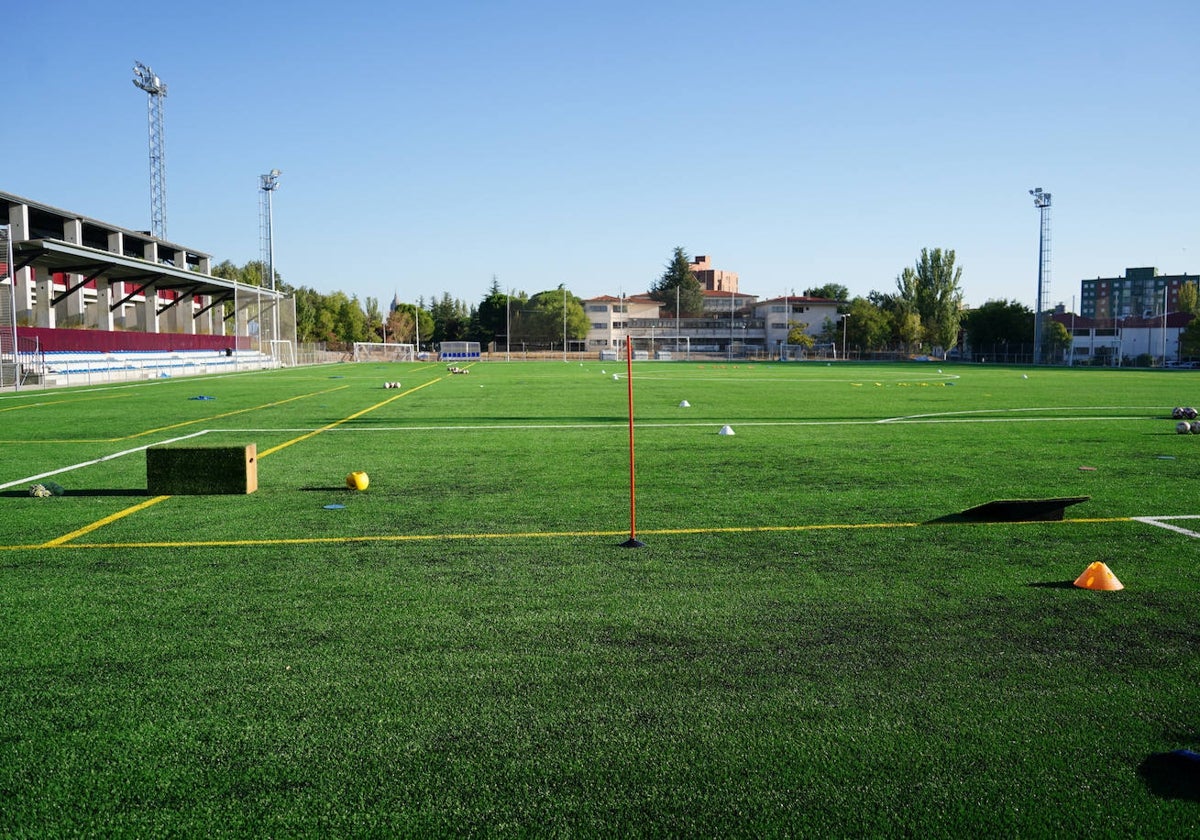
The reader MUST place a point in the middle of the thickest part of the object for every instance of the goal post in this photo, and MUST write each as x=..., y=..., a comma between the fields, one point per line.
x=283, y=352
x=375, y=351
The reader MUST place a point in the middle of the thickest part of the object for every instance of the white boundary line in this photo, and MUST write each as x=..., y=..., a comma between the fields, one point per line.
x=98, y=460
x=1159, y=522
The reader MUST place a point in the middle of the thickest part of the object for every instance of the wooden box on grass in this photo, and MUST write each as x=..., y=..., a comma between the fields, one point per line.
x=202, y=470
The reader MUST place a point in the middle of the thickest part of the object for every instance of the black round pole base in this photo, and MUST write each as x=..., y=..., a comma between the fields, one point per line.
x=633, y=543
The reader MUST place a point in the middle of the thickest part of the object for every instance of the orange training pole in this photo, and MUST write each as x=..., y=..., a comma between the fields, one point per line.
x=633, y=541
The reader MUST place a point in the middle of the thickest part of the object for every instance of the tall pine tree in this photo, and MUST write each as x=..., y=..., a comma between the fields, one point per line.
x=678, y=275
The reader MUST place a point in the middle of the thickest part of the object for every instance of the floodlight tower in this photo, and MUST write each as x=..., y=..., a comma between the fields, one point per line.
x=267, y=184
x=1041, y=200
x=156, y=90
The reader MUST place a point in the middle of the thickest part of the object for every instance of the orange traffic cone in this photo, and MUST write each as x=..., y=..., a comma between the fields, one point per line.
x=1098, y=576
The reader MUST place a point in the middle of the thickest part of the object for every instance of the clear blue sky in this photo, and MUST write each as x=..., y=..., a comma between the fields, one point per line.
x=427, y=146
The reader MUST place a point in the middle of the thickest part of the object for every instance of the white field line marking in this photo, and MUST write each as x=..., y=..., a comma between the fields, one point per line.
x=1159, y=522
x=98, y=460
x=624, y=424
x=641, y=377
x=974, y=411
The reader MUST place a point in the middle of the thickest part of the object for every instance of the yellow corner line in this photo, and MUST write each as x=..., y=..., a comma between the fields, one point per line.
x=232, y=413
x=87, y=529
x=353, y=416
x=63, y=542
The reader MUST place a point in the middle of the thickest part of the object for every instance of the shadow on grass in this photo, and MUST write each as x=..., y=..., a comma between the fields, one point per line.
x=1173, y=775
x=333, y=488
x=1054, y=584
x=85, y=491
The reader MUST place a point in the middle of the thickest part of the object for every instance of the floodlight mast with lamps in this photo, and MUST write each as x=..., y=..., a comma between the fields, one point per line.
x=267, y=184
x=1041, y=200
x=156, y=90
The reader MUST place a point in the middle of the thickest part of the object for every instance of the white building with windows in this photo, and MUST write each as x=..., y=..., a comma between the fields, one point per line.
x=733, y=324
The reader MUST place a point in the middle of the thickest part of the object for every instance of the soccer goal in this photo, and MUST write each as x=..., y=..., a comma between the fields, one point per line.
x=374, y=351
x=283, y=352
x=460, y=351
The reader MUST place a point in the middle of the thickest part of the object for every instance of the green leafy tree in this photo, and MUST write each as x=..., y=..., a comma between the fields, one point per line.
x=998, y=323
x=403, y=323
x=374, y=319
x=349, y=319
x=542, y=317
x=830, y=291
x=678, y=275
x=450, y=319
x=308, y=303
x=906, y=314
x=869, y=327
x=1189, y=298
x=1056, y=340
x=1189, y=340
x=933, y=289
x=798, y=335
x=489, y=323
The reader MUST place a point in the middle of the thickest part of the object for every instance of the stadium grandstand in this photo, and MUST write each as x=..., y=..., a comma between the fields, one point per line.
x=83, y=300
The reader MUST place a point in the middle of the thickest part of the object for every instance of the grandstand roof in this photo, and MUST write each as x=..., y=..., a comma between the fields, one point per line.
x=58, y=256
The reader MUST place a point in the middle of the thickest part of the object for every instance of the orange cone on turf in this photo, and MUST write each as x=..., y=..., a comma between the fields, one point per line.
x=1098, y=576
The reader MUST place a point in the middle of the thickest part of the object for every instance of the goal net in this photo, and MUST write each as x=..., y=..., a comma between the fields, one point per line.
x=374, y=351
x=460, y=351
x=283, y=352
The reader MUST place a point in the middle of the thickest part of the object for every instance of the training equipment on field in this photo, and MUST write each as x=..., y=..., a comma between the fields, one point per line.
x=1183, y=427
x=358, y=480
x=1099, y=577
x=375, y=351
x=1189, y=413
x=1015, y=510
x=727, y=430
x=202, y=470
x=1177, y=413
x=685, y=404
x=460, y=351
x=1195, y=424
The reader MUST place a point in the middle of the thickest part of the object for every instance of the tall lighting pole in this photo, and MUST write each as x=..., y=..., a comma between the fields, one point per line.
x=1041, y=200
x=156, y=90
x=267, y=184
x=845, y=320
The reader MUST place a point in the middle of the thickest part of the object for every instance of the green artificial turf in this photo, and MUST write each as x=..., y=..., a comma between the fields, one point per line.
x=465, y=648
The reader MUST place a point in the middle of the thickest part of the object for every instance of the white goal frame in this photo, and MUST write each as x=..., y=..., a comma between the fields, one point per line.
x=283, y=351
x=378, y=351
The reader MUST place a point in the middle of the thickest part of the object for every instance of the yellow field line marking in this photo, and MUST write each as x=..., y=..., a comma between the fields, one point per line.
x=184, y=423
x=60, y=402
x=409, y=538
x=354, y=416
x=87, y=529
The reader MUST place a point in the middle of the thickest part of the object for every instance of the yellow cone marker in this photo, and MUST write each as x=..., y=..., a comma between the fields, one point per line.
x=357, y=480
x=1099, y=576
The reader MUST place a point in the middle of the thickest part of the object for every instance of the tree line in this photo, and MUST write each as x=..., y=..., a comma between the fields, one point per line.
x=923, y=313
x=338, y=320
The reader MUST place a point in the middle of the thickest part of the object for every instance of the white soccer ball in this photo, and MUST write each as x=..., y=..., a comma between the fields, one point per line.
x=1177, y=413
x=1196, y=427
x=1189, y=413
x=1183, y=427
